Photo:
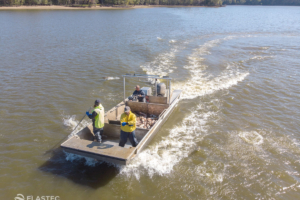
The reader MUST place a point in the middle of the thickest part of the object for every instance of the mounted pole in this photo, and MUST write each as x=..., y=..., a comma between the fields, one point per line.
x=169, y=92
x=124, y=87
x=156, y=87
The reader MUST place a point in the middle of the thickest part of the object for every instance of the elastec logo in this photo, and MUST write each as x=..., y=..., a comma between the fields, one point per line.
x=19, y=197
x=30, y=197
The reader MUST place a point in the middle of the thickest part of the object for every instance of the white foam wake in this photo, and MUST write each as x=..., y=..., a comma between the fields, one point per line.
x=252, y=137
x=201, y=83
x=162, y=64
x=162, y=157
x=87, y=161
x=112, y=78
x=261, y=57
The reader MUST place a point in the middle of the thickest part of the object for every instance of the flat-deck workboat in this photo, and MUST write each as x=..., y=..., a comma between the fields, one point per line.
x=157, y=106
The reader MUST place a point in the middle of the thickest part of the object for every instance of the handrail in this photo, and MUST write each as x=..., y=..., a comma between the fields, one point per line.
x=160, y=115
x=146, y=76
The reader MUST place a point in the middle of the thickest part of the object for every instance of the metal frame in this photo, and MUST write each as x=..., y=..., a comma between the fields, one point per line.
x=148, y=76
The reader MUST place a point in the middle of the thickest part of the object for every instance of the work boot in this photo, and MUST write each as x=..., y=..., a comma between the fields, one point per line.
x=98, y=138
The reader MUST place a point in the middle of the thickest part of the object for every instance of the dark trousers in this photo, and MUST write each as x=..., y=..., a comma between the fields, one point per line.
x=141, y=99
x=98, y=132
x=131, y=136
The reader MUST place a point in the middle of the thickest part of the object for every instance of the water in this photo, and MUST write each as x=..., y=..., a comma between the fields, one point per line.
x=234, y=135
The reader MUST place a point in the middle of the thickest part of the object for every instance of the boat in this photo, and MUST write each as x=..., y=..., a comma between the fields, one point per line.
x=159, y=107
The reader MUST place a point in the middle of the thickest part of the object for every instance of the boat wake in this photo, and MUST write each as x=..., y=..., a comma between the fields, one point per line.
x=161, y=158
x=252, y=137
x=261, y=57
x=162, y=64
x=201, y=82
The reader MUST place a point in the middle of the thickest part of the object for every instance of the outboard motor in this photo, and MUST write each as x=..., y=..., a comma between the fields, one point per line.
x=161, y=89
x=133, y=98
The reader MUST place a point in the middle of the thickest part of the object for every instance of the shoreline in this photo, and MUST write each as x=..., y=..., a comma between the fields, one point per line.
x=61, y=7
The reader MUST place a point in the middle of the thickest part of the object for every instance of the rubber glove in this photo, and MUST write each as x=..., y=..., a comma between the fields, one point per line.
x=124, y=123
x=87, y=113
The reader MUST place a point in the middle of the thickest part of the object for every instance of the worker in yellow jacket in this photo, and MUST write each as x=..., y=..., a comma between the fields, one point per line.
x=128, y=126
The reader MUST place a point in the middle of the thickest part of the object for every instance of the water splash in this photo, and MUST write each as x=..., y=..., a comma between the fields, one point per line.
x=70, y=121
x=87, y=161
x=112, y=78
x=201, y=82
x=211, y=171
x=162, y=157
x=162, y=64
x=252, y=137
x=261, y=57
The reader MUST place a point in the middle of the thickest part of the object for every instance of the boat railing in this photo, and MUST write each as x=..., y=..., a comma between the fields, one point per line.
x=161, y=115
x=146, y=76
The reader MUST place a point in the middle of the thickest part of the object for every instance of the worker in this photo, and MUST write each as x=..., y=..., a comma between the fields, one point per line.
x=98, y=120
x=147, y=99
x=128, y=125
x=139, y=93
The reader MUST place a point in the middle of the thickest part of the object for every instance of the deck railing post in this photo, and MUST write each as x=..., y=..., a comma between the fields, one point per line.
x=169, y=91
x=155, y=87
x=124, y=87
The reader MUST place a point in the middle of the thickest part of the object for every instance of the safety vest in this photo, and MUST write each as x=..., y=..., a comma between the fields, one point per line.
x=99, y=119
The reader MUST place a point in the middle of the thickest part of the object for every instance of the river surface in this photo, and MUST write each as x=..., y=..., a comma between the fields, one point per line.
x=234, y=135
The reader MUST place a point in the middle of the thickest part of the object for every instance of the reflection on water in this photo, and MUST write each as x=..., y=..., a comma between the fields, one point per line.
x=93, y=176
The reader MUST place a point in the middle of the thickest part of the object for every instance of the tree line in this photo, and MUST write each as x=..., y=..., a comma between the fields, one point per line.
x=261, y=2
x=147, y=2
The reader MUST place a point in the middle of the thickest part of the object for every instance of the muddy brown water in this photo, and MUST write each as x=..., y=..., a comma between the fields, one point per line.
x=234, y=135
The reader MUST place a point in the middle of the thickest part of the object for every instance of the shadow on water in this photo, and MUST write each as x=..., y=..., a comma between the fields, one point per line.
x=76, y=171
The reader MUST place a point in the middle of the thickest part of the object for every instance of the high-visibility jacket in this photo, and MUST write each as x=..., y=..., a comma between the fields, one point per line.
x=130, y=119
x=99, y=119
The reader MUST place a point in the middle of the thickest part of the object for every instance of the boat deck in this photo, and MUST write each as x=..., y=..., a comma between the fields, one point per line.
x=108, y=148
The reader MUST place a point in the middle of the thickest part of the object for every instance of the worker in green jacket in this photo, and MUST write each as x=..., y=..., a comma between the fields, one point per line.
x=128, y=126
x=98, y=120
